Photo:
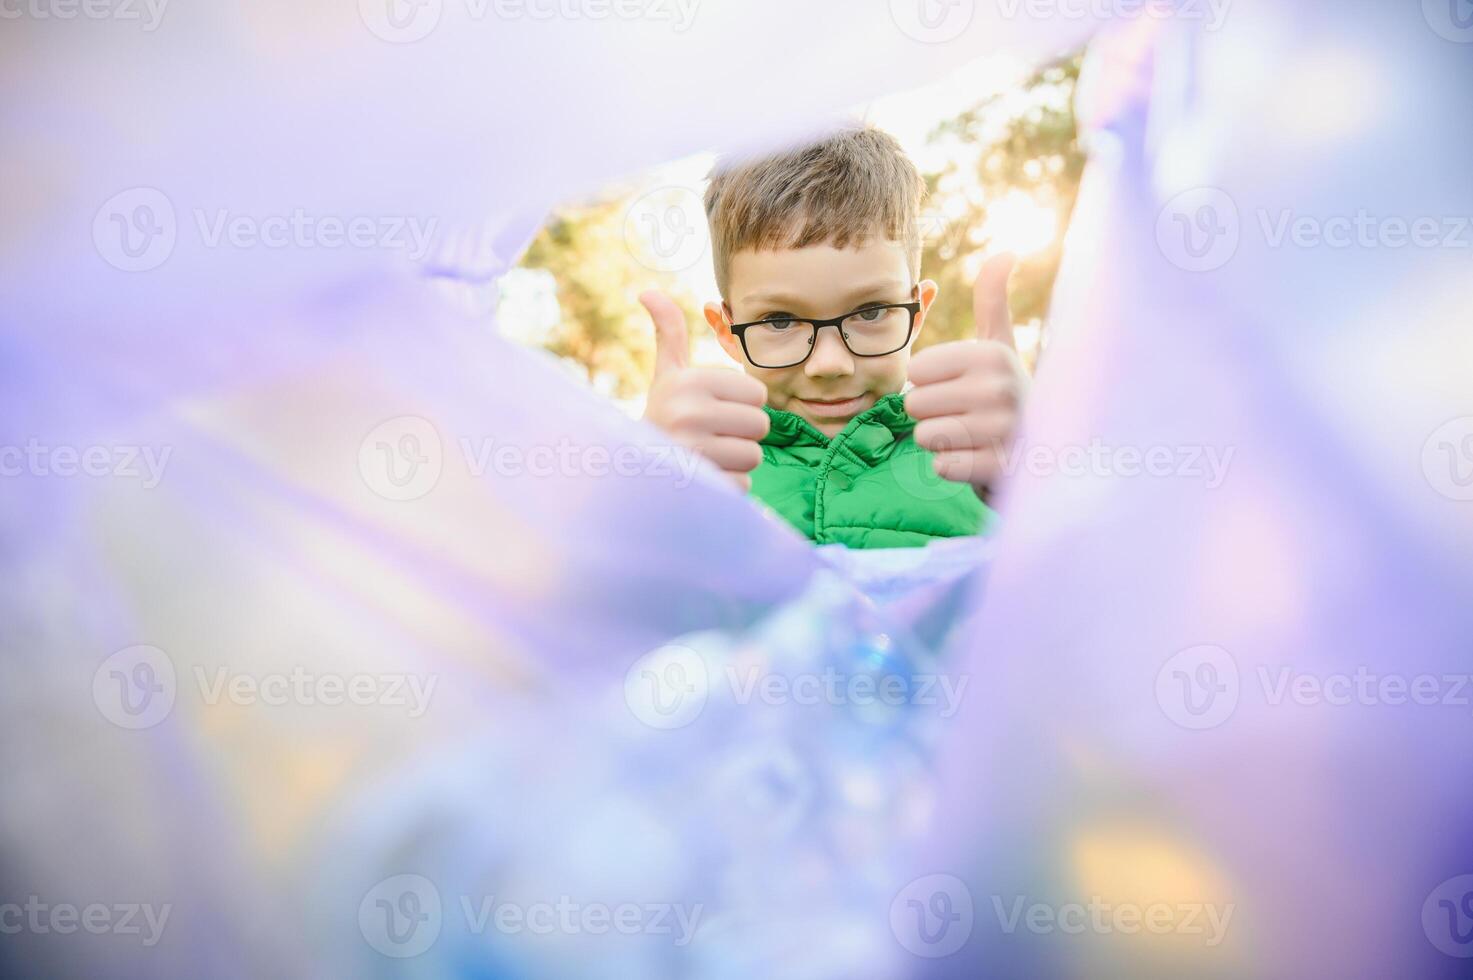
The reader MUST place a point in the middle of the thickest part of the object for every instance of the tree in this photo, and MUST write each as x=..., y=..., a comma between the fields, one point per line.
x=602, y=328
x=1024, y=141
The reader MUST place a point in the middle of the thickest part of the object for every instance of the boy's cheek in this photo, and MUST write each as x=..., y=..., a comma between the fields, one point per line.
x=773, y=381
x=896, y=374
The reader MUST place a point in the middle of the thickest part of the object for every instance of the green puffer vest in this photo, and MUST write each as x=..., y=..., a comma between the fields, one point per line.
x=870, y=486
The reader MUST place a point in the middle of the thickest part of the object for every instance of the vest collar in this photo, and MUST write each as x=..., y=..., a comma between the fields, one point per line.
x=869, y=434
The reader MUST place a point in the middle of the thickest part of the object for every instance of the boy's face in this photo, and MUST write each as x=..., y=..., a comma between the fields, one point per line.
x=820, y=281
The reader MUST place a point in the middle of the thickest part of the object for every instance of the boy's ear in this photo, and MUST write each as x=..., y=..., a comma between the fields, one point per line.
x=926, y=292
x=720, y=322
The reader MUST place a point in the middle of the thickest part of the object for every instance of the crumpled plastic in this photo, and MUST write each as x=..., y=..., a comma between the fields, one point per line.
x=320, y=421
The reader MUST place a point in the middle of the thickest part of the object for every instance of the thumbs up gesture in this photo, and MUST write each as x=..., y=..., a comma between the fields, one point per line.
x=715, y=412
x=967, y=396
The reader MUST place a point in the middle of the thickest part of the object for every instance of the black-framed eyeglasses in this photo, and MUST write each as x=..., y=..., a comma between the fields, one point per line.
x=784, y=342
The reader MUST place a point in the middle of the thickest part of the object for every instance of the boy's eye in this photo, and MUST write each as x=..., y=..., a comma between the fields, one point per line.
x=871, y=314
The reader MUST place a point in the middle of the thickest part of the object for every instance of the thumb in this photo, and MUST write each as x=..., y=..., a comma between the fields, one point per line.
x=990, y=300
x=672, y=338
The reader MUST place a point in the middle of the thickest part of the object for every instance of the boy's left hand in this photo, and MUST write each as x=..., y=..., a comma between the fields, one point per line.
x=968, y=394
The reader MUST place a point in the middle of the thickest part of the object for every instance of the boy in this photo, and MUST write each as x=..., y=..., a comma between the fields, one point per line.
x=822, y=427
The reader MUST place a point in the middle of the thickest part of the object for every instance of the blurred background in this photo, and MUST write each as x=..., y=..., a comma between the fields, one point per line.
x=243, y=473
x=996, y=142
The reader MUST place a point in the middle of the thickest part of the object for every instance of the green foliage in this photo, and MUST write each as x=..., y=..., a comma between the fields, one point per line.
x=1024, y=140
x=603, y=329
x=1027, y=144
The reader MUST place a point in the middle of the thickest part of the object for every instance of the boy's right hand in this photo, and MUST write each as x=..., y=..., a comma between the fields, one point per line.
x=712, y=411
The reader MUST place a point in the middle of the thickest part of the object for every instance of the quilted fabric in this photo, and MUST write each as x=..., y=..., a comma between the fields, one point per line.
x=871, y=486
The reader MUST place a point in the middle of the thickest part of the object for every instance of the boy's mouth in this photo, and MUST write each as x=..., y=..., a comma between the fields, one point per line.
x=833, y=408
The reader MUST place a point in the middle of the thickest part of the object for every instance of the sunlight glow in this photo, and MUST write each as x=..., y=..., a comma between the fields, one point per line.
x=1019, y=224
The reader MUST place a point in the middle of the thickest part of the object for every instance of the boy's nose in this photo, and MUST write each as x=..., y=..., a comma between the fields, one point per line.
x=830, y=358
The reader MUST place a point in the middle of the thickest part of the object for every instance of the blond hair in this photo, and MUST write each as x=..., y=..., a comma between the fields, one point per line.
x=845, y=189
